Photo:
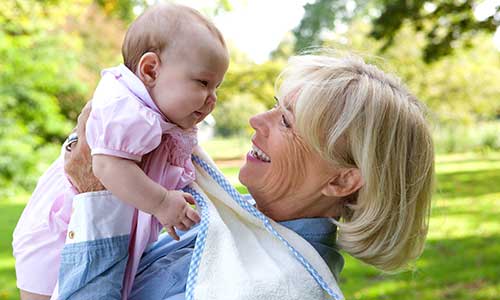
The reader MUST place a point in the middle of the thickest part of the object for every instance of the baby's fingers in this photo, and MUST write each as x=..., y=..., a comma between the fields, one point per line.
x=172, y=233
x=187, y=223
x=193, y=215
x=182, y=226
x=189, y=198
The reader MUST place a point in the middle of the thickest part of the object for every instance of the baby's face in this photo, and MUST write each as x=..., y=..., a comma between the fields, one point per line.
x=185, y=90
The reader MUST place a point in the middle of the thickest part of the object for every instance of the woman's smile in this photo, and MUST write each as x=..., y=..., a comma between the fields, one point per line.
x=257, y=153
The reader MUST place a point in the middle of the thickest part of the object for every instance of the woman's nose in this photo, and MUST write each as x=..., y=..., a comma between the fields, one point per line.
x=258, y=123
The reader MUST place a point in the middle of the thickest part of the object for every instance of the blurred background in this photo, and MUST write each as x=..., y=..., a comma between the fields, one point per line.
x=447, y=51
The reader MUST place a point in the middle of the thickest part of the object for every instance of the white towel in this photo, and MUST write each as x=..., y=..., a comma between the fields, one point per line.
x=239, y=254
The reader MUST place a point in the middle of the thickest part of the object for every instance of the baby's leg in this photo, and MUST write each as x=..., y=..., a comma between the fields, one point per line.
x=40, y=233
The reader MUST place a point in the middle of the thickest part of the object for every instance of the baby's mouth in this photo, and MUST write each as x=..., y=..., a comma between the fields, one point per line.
x=259, y=154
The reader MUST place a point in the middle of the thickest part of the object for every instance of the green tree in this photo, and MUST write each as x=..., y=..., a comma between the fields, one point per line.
x=98, y=37
x=446, y=24
x=246, y=77
x=461, y=87
x=319, y=16
x=248, y=88
x=232, y=116
x=37, y=69
x=122, y=9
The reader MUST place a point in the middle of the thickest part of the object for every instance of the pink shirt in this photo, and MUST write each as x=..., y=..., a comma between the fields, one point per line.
x=125, y=122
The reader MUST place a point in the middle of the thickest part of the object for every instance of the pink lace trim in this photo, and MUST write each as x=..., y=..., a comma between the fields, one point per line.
x=180, y=144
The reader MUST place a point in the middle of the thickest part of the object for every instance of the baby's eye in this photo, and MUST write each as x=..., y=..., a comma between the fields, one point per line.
x=203, y=82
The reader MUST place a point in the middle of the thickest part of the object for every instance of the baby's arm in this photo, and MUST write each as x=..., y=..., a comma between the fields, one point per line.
x=128, y=182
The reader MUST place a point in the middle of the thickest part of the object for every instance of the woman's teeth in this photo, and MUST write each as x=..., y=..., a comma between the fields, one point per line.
x=257, y=153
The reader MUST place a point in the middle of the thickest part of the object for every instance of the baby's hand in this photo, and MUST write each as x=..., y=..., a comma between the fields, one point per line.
x=174, y=211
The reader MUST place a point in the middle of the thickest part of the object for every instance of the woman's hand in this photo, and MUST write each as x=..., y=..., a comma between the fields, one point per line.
x=77, y=158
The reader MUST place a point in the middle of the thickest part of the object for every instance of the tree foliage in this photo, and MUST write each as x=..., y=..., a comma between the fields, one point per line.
x=35, y=71
x=51, y=52
x=459, y=88
x=447, y=24
x=254, y=79
x=319, y=16
x=232, y=116
x=122, y=9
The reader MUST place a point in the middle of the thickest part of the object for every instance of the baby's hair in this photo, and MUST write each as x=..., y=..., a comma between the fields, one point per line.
x=157, y=28
x=355, y=115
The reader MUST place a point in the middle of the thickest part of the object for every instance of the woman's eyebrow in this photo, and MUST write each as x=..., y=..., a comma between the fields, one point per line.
x=287, y=107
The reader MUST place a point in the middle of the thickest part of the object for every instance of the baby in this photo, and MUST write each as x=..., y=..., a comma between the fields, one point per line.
x=141, y=131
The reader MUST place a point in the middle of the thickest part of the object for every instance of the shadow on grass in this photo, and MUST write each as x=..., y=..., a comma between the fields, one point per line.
x=458, y=269
x=468, y=184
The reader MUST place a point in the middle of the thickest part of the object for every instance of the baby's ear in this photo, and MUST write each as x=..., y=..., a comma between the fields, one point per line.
x=148, y=68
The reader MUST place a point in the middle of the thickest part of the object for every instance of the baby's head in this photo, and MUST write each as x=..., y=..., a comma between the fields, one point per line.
x=181, y=58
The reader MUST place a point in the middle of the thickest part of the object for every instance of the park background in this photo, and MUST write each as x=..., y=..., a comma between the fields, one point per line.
x=51, y=53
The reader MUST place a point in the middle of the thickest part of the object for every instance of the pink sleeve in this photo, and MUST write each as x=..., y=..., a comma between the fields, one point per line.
x=122, y=128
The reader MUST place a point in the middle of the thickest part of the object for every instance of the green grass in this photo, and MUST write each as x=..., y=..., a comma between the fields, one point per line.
x=461, y=259
x=10, y=210
x=460, y=262
x=227, y=148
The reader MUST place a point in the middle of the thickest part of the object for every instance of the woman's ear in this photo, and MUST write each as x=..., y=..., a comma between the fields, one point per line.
x=344, y=183
x=148, y=68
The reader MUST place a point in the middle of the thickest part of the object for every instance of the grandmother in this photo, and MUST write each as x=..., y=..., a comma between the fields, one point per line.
x=345, y=159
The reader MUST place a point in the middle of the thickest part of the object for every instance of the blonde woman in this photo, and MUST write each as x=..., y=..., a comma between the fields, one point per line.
x=345, y=160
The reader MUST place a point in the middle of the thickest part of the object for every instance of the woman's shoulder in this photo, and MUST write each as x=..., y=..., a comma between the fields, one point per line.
x=321, y=233
x=313, y=229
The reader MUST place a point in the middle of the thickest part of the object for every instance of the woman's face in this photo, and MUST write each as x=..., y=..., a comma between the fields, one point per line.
x=283, y=174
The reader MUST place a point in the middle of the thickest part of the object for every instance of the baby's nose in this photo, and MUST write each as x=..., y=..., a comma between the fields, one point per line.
x=209, y=104
x=212, y=97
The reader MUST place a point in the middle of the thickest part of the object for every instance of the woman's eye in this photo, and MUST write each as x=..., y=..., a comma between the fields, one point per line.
x=284, y=121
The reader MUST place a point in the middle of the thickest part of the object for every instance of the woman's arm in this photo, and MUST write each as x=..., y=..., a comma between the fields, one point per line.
x=95, y=255
x=77, y=159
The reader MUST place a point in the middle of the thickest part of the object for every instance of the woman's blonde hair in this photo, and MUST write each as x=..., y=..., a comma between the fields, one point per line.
x=355, y=115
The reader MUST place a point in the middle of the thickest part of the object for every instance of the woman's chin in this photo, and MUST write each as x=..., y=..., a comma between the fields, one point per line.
x=242, y=175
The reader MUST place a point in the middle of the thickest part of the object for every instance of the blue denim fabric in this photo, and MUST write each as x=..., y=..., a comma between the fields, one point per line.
x=163, y=269
x=93, y=269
